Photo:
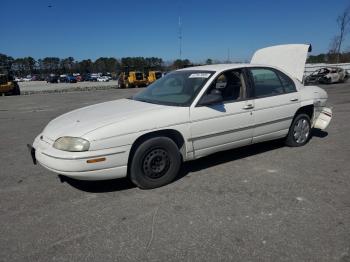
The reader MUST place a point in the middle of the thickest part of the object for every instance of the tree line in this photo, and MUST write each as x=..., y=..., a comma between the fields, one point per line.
x=329, y=58
x=54, y=65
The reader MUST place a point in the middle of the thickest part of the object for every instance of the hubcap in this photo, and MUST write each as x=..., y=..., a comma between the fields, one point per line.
x=301, y=131
x=156, y=163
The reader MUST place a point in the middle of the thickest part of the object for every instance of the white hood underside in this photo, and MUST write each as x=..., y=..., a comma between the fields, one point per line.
x=291, y=58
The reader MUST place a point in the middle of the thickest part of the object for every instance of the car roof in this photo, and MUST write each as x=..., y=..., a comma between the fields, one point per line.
x=223, y=67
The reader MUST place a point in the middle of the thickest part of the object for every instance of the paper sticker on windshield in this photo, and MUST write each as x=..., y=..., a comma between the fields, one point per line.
x=199, y=75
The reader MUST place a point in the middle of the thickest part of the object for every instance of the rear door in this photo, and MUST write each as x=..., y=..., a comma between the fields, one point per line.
x=276, y=101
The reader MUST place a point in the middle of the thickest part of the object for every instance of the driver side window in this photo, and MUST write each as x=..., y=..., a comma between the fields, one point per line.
x=230, y=84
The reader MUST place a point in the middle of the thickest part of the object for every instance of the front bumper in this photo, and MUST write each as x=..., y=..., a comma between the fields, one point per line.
x=75, y=164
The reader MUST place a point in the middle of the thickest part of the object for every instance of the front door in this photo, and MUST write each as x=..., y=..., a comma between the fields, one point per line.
x=227, y=124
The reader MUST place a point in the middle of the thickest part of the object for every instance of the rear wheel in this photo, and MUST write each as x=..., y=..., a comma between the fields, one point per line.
x=300, y=131
x=155, y=163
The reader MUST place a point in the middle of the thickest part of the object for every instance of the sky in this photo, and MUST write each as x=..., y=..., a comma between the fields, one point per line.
x=210, y=29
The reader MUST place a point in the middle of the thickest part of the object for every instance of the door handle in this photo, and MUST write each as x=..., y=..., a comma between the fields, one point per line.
x=248, y=106
x=294, y=99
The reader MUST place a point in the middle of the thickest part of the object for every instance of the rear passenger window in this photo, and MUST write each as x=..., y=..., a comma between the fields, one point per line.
x=266, y=82
x=287, y=83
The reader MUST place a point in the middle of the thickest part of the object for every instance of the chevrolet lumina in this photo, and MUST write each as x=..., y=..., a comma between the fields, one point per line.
x=188, y=114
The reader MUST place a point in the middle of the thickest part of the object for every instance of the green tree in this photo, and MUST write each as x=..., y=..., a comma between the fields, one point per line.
x=181, y=63
x=67, y=65
x=51, y=65
x=142, y=63
x=106, y=64
x=321, y=58
x=86, y=66
x=5, y=62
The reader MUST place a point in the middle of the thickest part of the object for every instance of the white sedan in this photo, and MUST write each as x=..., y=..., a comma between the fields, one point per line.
x=187, y=114
x=103, y=79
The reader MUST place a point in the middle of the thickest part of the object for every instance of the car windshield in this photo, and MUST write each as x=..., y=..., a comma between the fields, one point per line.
x=178, y=88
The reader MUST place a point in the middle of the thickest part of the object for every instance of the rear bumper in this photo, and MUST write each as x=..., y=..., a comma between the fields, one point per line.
x=323, y=117
x=75, y=164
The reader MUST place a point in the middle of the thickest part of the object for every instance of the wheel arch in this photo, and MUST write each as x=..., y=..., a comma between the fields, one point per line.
x=173, y=134
x=306, y=109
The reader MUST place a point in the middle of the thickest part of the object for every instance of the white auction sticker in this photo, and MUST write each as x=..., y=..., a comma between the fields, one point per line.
x=199, y=75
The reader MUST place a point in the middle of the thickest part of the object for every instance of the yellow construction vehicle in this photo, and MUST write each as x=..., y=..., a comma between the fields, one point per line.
x=153, y=76
x=7, y=84
x=132, y=79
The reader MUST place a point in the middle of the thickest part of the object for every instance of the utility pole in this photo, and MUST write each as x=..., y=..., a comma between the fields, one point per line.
x=228, y=55
x=180, y=37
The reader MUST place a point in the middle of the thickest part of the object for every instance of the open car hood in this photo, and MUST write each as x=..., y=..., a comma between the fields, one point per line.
x=291, y=58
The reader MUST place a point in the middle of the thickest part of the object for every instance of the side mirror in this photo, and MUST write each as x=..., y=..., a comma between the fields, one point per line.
x=212, y=98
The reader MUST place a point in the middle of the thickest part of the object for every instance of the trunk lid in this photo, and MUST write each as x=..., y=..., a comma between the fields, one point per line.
x=291, y=58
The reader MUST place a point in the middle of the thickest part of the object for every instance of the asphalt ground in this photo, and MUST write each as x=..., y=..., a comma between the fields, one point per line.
x=265, y=202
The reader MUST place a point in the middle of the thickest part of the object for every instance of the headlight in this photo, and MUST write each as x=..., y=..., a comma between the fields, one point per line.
x=72, y=144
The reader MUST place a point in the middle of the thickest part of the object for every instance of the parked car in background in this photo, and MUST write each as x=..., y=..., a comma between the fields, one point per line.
x=186, y=115
x=107, y=75
x=93, y=77
x=67, y=79
x=79, y=78
x=63, y=79
x=36, y=78
x=85, y=77
x=52, y=78
x=327, y=75
x=71, y=79
x=103, y=79
x=27, y=78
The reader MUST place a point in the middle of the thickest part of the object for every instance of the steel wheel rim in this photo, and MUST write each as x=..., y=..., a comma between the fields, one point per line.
x=156, y=163
x=301, y=131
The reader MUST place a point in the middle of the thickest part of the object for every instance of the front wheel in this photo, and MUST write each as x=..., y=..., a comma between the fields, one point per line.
x=155, y=163
x=300, y=131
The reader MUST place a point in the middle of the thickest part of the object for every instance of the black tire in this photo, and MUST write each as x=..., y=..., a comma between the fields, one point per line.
x=300, y=131
x=155, y=163
x=16, y=91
